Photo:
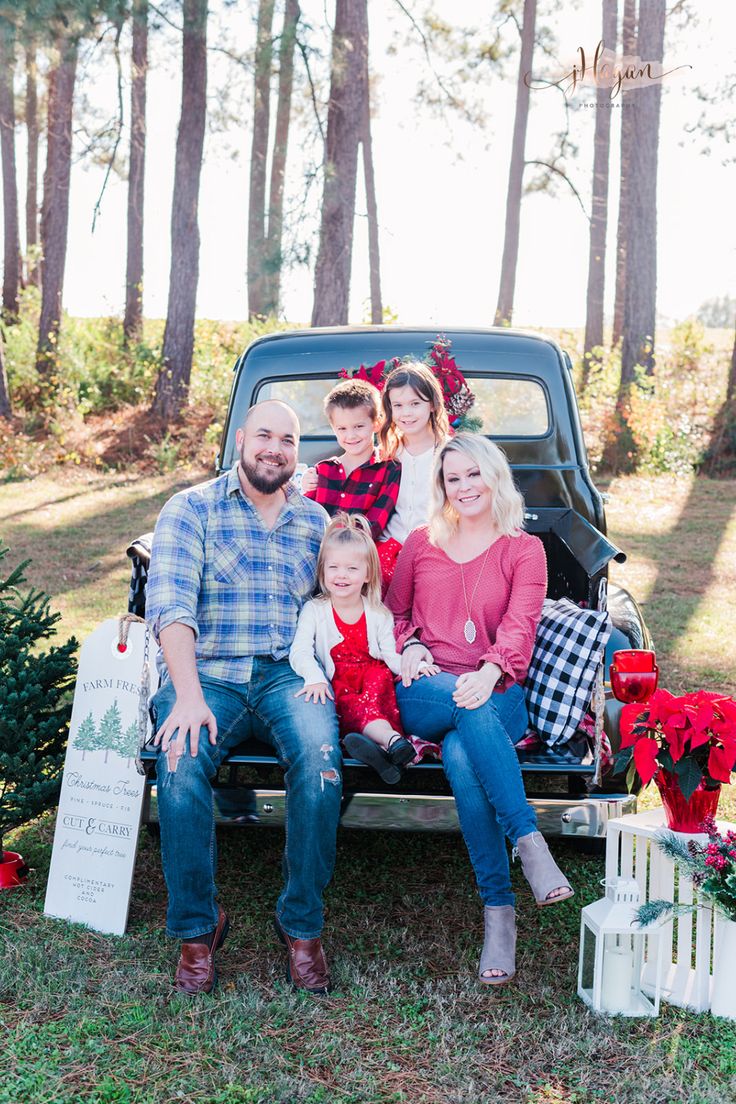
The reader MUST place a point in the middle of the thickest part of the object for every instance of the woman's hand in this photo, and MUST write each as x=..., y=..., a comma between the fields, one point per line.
x=474, y=688
x=316, y=692
x=414, y=657
x=309, y=480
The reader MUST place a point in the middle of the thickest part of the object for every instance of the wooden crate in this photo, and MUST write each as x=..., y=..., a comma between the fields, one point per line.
x=632, y=852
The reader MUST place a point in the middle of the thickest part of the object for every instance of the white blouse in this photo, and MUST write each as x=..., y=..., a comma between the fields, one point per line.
x=412, y=505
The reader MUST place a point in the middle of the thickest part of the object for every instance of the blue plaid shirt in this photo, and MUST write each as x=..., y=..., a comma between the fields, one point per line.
x=218, y=568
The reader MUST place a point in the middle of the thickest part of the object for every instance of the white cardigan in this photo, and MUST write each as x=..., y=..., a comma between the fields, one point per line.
x=317, y=634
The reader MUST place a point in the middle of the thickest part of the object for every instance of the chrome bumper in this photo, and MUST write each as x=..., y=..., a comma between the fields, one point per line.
x=585, y=817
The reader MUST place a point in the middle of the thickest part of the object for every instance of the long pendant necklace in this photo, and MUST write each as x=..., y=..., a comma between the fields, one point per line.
x=469, y=629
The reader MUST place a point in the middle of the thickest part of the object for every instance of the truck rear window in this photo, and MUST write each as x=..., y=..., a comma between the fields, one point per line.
x=510, y=406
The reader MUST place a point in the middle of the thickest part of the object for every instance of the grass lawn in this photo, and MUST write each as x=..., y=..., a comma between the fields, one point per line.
x=92, y=1018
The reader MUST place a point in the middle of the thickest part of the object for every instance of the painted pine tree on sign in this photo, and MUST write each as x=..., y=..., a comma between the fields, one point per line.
x=86, y=738
x=127, y=745
x=111, y=730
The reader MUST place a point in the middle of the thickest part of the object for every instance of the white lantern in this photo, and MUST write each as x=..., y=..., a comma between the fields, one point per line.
x=620, y=968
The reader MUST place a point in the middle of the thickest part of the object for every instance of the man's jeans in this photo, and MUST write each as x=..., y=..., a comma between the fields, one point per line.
x=305, y=737
x=483, y=769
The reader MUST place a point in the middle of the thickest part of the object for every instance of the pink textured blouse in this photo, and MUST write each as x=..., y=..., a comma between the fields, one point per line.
x=426, y=599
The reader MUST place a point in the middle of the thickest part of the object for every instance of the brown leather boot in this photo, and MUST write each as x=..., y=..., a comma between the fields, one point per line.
x=195, y=971
x=306, y=966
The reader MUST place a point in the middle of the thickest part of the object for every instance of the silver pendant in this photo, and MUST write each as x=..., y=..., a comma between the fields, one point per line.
x=469, y=630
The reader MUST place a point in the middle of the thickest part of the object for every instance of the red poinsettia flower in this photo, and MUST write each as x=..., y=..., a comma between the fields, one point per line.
x=631, y=724
x=659, y=707
x=645, y=758
x=721, y=762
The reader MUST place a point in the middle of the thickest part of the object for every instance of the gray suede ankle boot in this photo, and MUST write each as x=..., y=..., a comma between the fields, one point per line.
x=541, y=870
x=499, y=944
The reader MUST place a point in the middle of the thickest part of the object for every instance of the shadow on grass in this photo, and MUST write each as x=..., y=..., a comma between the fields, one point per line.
x=119, y=481
x=685, y=562
x=70, y=551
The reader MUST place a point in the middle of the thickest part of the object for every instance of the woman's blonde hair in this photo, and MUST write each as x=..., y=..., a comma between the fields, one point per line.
x=352, y=529
x=414, y=374
x=507, y=504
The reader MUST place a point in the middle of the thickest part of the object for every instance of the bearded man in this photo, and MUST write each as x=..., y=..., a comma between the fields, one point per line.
x=233, y=561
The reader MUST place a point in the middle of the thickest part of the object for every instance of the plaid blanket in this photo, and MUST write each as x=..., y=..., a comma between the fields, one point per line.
x=567, y=650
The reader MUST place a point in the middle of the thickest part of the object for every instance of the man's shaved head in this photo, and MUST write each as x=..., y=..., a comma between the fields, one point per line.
x=267, y=442
x=269, y=407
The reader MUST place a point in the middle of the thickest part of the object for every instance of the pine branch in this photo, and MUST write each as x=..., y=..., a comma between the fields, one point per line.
x=116, y=50
x=566, y=178
x=652, y=911
x=674, y=847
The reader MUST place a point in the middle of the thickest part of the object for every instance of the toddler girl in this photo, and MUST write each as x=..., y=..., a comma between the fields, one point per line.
x=346, y=637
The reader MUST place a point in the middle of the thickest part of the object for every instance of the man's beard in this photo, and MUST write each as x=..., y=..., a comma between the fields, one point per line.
x=266, y=482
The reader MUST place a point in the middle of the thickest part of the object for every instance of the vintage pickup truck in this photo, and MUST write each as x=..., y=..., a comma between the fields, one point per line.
x=526, y=400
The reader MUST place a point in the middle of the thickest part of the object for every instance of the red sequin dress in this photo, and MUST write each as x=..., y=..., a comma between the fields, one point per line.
x=363, y=686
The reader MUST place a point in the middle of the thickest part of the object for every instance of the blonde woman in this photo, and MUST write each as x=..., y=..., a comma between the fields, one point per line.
x=467, y=595
x=344, y=648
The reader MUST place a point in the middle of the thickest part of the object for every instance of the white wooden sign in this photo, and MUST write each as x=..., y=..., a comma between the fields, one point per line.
x=101, y=792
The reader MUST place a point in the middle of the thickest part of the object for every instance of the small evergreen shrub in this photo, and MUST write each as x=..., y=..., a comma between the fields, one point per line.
x=35, y=701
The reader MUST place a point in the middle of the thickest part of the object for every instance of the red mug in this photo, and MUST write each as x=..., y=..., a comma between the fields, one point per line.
x=634, y=674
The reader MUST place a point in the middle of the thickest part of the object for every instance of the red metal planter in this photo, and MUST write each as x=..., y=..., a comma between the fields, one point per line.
x=13, y=871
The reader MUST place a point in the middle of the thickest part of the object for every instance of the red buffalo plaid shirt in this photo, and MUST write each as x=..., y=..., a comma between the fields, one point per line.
x=371, y=489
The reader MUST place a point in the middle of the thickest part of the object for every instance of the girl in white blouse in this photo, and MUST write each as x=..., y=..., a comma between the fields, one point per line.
x=415, y=425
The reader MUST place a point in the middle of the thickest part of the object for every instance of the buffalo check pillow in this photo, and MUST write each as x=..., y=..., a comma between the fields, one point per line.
x=568, y=648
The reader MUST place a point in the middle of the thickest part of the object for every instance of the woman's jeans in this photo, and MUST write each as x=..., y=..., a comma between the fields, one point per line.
x=483, y=769
x=305, y=737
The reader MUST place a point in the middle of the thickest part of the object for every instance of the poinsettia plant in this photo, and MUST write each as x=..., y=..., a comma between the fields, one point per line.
x=692, y=736
x=455, y=391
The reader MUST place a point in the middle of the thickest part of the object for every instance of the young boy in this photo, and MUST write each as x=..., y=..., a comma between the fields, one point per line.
x=357, y=481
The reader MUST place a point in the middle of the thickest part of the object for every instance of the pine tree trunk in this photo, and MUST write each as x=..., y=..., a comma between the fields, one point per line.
x=629, y=48
x=258, y=159
x=374, y=257
x=505, y=305
x=11, y=236
x=274, y=245
x=172, y=386
x=133, y=319
x=5, y=407
x=599, y=204
x=31, y=161
x=640, y=290
x=55, y=212
x=345, y=125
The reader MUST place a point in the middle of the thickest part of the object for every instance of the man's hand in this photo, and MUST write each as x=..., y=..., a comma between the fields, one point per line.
x=186, y=718
x=474, y=688
x=316, y=692
x=411, y=659
x=309, y=480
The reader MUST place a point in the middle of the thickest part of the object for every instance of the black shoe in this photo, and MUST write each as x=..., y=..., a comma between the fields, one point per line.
x=365, y=751
x=400, y=751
